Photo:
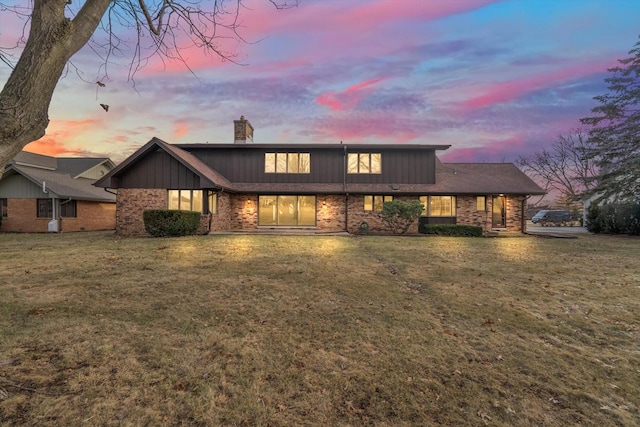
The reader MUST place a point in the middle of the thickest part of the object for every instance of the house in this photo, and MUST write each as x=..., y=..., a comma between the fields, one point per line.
x=53, y=194
x=325, y=187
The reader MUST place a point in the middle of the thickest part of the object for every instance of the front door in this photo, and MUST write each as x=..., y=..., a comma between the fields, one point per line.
x=499, y=212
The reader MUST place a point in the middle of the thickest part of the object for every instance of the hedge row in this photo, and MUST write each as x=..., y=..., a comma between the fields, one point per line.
x=614, y=219
x=451, y=230
x=170, y=223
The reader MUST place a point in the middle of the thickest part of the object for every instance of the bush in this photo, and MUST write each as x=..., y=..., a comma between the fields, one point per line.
x=594, y=222
x=170, y=223
x=400, y=215
x=621, y=218
x=452, y=230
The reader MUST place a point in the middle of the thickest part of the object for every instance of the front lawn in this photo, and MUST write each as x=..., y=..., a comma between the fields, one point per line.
x=318, y=330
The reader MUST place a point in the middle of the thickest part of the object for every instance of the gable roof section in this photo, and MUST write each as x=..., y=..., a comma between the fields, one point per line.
x=63, y=185
x=26, y=158
x=76, y=166
x=208, y=177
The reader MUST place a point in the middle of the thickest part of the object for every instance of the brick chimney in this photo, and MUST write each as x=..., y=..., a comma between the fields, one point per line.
x=243, y=131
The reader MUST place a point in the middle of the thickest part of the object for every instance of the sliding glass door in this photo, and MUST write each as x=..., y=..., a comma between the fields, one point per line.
x=287, y=210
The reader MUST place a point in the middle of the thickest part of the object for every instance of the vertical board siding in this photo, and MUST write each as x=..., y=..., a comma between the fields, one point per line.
x=246, y=165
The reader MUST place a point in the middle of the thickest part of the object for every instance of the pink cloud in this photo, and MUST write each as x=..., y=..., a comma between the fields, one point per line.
x=507, y=91
x=496, y=151
x=60, y=133
x=180, y=129
x=365, y=128
x=347, y=99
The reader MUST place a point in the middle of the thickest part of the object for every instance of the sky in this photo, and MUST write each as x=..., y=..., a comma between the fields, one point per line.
x=494, y=79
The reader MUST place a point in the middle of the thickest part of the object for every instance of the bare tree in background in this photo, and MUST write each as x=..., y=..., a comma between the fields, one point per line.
x=59, y=28
x=564, y=168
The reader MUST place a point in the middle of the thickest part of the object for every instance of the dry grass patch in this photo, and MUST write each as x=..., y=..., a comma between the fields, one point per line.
x=318, y=330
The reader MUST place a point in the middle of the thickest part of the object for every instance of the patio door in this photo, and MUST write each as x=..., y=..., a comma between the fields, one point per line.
x=499, y=212
x=287, y=210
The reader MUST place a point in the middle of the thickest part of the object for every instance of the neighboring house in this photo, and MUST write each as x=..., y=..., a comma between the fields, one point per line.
x=326, y=187
x=49, y=194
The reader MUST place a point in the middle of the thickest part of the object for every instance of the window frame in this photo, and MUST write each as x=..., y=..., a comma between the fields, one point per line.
x=66, y=206
x=484, y=203
x=427, y=210
x=48, y=207
x=364, y=163
x=204, y=194
x=375, y=202
x=283, y=163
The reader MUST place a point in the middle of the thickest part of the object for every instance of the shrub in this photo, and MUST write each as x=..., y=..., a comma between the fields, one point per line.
x=170, y=223
x=399, y=215
x=452, y=230
x=594, y=222
x=621, y=218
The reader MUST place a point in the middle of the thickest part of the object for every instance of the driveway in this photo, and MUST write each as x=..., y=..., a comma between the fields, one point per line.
x=536, y=229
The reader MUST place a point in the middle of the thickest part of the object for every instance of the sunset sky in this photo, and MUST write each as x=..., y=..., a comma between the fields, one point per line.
x=494, y=79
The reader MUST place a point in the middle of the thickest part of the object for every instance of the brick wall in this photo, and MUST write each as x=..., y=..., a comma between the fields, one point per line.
x=131, y=203
x=92, y=216
x=221, y=220
x=357, y=215
x=330, y=212
x=240, y=212
x=468, y=214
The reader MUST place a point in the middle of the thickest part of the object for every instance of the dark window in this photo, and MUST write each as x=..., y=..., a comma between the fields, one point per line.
x=69, y=209
x=3, y=207
x=45, y=208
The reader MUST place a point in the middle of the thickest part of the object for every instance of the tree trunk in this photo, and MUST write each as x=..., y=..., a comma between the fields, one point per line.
x=25, y=98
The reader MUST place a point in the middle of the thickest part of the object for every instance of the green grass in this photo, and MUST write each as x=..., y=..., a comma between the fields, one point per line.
x=318, y=330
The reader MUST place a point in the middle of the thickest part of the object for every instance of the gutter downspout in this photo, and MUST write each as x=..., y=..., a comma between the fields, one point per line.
x=523, y=218
x=344, y=189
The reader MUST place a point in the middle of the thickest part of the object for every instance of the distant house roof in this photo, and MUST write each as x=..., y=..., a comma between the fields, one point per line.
x=61, y=175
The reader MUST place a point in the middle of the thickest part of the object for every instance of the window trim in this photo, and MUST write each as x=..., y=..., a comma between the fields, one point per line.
x=359, y=164
x=377, y=202
x=49, y=208
x=427, y=206
x=274, y=159
x=484, y=203
x=64, y=206
x=204, y=195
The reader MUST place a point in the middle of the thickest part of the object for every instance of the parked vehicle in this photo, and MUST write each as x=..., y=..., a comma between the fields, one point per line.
x=551, y=217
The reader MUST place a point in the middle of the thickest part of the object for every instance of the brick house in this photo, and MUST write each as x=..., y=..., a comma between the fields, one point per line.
x=324, y=187
x=48, y=194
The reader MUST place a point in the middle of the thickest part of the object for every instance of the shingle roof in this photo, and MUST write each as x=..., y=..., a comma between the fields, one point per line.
x=451, y=178
x=75, y=166
x=64, y=185
x=37, y=160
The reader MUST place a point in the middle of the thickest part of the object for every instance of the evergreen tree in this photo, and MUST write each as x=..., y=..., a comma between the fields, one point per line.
x=615, y=132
